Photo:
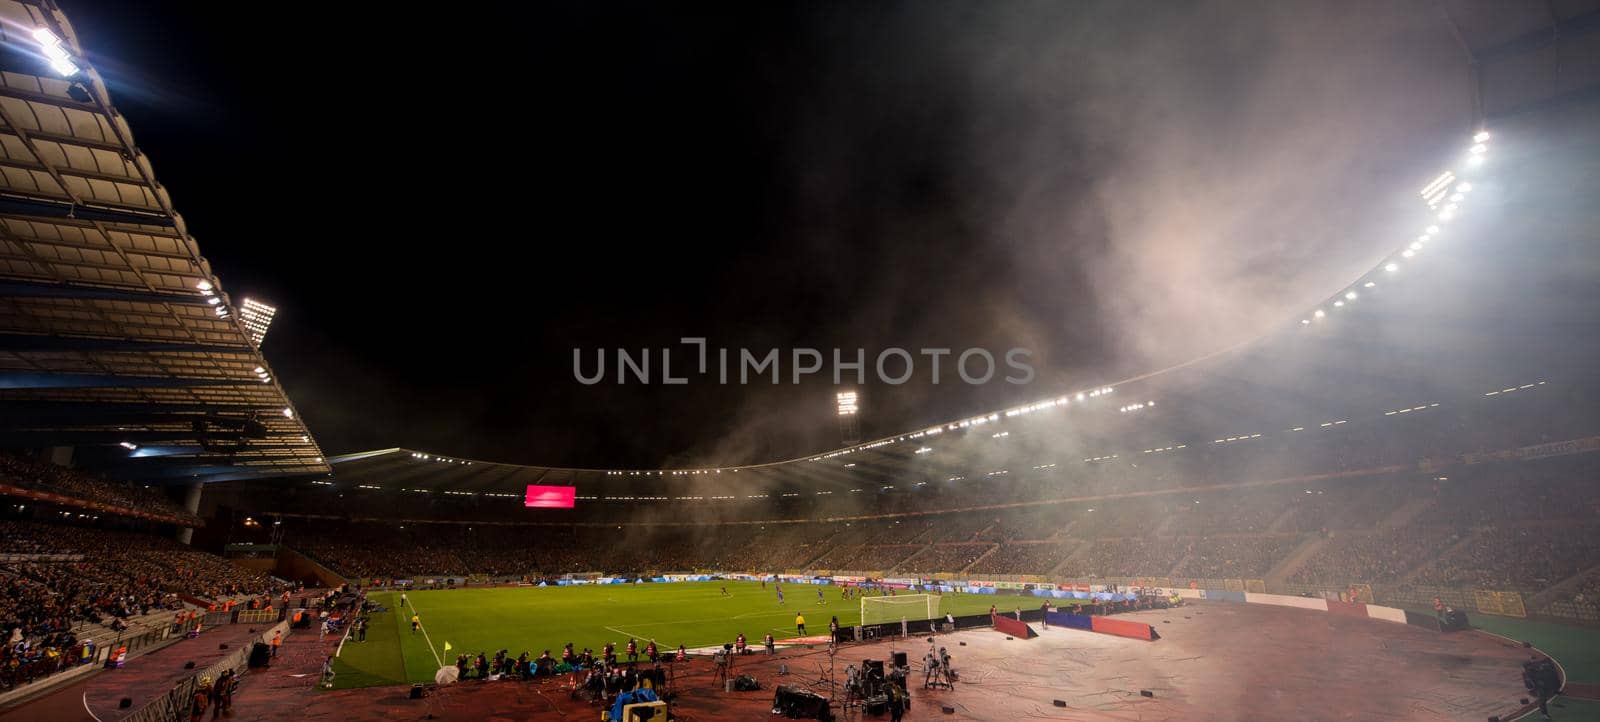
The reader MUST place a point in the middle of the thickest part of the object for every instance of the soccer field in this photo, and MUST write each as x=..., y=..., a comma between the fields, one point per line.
x=533, y=619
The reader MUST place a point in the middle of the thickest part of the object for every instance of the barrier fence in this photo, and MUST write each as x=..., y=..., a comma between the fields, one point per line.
x=173, y=706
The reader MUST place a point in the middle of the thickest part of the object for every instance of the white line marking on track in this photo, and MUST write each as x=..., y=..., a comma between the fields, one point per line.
x=86, y=707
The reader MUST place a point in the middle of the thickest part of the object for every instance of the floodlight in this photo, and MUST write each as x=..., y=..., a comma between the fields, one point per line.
x=847, y=402
x=1392, y=267
x=257, y=319
x=50, y=46
x=1482, y=136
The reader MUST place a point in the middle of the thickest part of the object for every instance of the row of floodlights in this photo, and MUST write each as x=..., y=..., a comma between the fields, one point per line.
x=1443, y=195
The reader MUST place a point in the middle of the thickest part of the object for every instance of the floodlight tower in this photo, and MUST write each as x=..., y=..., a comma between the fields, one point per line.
x=849, y=429
x=257, y=317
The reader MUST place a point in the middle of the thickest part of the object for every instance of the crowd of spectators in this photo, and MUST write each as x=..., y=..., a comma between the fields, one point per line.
x=1382, y=556
x=1232, y=512
x=1234, y=557
x=1127, y=557
x=1526, y=557
x=66, y=580
x=42, y=476
x=865, y=557
x=948, y=558
x=1024, y=558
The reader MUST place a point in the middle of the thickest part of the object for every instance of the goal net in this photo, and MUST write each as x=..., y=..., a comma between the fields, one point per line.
x=884, y=610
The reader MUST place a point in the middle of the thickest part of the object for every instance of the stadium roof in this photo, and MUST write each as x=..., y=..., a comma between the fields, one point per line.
x=114, y=332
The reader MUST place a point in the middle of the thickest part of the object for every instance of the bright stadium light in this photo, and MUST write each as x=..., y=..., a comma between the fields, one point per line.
x=130, y=446
x=1392, y=267
x=1369, y=284
x=1482, y=136
x=257, y=318
x=60, y=59
x=1319, y=313
x=1351, y=296
x=288, y=413
x=846, y=401
x=1479, y=149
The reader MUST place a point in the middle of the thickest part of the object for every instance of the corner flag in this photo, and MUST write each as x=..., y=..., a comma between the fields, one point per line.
x=447, y=646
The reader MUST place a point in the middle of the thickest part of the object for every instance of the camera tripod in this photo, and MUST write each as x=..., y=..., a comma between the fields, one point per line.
x=826, y=680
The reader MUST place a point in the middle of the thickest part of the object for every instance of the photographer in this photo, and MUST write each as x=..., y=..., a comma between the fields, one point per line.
x=1540, y=677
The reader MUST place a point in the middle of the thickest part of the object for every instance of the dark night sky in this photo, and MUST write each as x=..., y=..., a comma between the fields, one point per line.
x=444, y=204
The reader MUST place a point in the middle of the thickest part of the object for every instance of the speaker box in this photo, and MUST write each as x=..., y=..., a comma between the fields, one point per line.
x=900, y=659
x=873, y=669
x=796, y=703
x=1147, y=693
x=1059, y=702
x=222, y=646
x=188, y=665
x=416, y=691
x=260, y=655
x=125, y=703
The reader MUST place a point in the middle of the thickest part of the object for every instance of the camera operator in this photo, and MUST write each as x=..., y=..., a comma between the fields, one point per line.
x=1539, y=675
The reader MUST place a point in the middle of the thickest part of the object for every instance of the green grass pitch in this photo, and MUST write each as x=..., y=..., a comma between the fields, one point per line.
x=534, y=619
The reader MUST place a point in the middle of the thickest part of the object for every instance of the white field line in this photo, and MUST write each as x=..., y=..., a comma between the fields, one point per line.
x=418, y=614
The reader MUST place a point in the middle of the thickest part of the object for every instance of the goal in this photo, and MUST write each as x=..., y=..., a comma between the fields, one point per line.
x=884, y=610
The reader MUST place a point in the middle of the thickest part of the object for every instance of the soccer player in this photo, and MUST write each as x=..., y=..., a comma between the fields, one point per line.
x=800, y=624
x=725, y=592
x=819, y=596
x=416, y=623
x=780, y=596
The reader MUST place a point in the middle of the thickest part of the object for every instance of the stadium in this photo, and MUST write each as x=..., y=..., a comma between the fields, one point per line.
x=1309, y=428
